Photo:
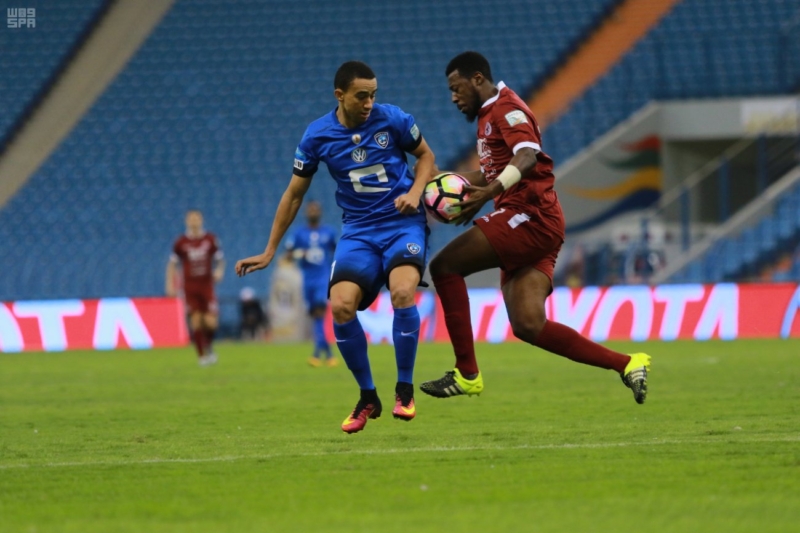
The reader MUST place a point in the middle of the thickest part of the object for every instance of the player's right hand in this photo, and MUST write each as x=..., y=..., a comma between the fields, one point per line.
x=251, y=264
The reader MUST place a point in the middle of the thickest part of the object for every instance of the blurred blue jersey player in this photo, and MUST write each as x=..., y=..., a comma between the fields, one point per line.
x=384, y=238
x=313, y=246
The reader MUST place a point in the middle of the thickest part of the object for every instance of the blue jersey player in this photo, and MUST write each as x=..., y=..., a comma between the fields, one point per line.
x=384, y=238
x=312, y=246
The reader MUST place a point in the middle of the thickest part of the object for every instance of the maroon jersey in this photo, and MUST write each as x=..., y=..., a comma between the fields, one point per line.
x=506, y=125
x=197, y=255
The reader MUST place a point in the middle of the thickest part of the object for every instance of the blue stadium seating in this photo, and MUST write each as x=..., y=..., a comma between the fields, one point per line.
x=30, y=56
x=208, y=112
x=702, y=48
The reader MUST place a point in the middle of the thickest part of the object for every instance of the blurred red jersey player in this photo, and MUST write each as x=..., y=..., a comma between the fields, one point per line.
x=203, y=266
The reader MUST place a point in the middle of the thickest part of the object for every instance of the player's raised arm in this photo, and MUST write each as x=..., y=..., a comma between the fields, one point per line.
x=408, y=203
x=290, y=203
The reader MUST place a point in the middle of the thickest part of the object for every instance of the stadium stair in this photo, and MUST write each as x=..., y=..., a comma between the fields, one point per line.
x=752, y=243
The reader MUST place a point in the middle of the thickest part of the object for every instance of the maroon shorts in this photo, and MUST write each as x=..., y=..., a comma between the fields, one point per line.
x=520, y=242
x=201, y=299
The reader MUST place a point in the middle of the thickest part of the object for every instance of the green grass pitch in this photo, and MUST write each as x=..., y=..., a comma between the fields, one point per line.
x=148, y=441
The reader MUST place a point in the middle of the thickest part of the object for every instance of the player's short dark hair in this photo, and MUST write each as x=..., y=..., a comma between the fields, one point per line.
x=468, y=63
x=350, y=71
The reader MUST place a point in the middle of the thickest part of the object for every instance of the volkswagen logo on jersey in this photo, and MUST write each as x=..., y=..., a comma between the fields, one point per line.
x=413, y=248
x=359, y=155
x=382, y=138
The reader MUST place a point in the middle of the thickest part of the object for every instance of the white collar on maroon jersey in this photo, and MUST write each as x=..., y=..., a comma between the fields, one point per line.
x=500, y=86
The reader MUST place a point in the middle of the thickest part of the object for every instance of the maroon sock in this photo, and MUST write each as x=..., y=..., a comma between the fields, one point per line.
x=565, y=341
x=452, y=291
x=199, y=338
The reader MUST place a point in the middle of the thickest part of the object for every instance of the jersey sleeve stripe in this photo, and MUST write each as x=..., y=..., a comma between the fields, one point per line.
x=526, y=144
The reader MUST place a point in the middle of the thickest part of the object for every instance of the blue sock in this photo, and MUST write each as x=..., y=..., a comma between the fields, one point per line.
x=405, y=332
x=353, y=346
x=320, y=342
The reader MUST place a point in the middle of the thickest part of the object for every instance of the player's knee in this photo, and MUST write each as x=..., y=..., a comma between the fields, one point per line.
x=343, y=309
x=527, y=328
x=196, y=320
x=439, y=266
x=403, y=295
x=210, y=321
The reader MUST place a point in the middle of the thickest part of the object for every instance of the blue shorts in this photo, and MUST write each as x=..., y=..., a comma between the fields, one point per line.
x=365, y=256
x=315, y=292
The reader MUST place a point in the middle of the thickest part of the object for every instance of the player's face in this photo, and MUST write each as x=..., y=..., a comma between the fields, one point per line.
x=194, y=222
x=357, y=101
x=464, y=95
x=314, y=213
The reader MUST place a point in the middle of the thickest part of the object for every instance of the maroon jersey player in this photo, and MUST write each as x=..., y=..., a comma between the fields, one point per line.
x=200, y=255
x=522, y=236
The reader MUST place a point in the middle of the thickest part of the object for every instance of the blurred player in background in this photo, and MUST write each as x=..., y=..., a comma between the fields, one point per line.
x=253, y=321
x=522, y=237
x=313, y=247
x=384, y=238
x=203, y=266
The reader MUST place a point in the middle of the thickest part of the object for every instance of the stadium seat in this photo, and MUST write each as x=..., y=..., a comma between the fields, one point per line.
x=208, y=113
x=714, y=48
x=31, y=56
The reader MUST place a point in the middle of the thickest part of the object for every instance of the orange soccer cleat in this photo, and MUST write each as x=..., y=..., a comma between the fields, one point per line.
x=369, y=406
x=404, y=408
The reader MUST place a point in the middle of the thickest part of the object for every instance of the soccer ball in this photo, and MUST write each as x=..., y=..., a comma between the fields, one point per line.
x=442, y=193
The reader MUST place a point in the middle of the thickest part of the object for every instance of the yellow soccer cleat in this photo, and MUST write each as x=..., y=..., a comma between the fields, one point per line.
x=453, y=384
x=635, y=375
x=332, y=361
x=315, y=362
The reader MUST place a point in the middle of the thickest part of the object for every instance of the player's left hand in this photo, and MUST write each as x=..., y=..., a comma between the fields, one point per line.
x=408, y=203
x=251, y=264
x=476, y=198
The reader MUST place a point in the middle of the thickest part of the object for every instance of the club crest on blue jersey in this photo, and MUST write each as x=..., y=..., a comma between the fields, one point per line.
x=359, y=155
x=413, y=248
x=382, y=138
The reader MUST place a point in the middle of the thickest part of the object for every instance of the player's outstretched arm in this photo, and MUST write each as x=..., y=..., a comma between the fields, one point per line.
x=219, y=270
x=522, y=163
x=169, y=286
x=290, y=203
x=408, y=203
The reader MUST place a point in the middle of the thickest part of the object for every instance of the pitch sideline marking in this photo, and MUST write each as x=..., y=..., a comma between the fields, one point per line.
x=389, y=451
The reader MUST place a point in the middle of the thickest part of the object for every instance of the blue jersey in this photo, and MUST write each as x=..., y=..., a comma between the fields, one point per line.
x=368, y=162
x=317, y=246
